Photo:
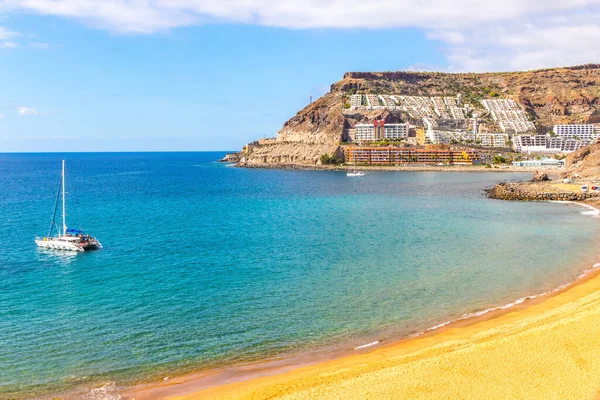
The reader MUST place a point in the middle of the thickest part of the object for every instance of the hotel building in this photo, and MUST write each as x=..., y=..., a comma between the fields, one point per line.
x=582, y=131
x=447, y=137
x=379, y=130
x=547, y=144
x=493, y=139
x=409, y=156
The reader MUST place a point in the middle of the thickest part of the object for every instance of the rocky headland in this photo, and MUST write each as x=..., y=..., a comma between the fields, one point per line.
x=582, y=169
x=548, y=96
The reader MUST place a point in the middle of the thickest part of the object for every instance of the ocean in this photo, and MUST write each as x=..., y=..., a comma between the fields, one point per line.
x=206, y=265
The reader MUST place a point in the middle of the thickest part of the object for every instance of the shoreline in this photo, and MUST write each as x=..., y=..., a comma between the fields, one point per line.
x=402, y=168
x=268, y=376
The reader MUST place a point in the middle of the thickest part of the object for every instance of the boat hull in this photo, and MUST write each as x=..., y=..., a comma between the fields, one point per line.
x=56, y=244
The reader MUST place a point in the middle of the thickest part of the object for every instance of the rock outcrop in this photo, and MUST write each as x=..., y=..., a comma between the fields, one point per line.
x=279, y=153
x=232, y=158
x=584, y=163
x=540, y=177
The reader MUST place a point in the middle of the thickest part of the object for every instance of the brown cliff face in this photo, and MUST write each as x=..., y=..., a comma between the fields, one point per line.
x=584, y=162
x=550, y=96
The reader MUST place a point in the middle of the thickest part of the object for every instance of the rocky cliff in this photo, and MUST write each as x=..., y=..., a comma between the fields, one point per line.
x=549, y=96
x=584, y=163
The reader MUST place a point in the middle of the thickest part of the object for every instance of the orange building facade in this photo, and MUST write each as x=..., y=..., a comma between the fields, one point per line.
x=408, y=156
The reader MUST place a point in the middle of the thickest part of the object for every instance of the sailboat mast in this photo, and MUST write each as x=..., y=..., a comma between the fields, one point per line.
x=53, y=223
x=64, y=219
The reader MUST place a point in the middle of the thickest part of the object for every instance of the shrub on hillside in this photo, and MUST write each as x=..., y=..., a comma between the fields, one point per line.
x=499, y=160
x=333, y=159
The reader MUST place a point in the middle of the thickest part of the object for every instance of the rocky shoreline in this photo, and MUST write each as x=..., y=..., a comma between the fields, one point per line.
x=582, y=168
x=232, y=157
x=533, y=191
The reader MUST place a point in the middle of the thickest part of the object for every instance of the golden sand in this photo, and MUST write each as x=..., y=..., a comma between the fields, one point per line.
x=549, y=350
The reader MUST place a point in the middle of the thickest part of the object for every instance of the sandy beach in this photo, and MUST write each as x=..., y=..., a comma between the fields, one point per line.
x=545, y=348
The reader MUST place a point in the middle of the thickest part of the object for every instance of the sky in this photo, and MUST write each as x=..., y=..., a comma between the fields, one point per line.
x=177, y=75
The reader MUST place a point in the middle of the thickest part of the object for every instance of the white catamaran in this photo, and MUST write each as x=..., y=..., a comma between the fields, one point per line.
x=69, y=239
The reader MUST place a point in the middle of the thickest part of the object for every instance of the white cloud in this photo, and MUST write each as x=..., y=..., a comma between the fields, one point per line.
x=450, y=37
x=5, y=36
x=6, y=33
x=142, y=16
x=1, y=115
x=549, y=42
x=474, y=34
x=40, y=45
x=25, y=111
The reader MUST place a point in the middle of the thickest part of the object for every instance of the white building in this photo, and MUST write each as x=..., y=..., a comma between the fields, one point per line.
x=570, y=131
x=530, y=143
x=493, y=139
x=373, y=101
x=370, y=132
x=436, y=136
x=546, y=144
x=508, y=115
x=544, y=162
x=356, y=100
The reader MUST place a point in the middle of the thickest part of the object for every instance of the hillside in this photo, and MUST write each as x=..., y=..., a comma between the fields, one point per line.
x=548, y=96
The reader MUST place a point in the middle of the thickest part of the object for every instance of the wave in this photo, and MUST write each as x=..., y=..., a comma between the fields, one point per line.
x=108, y=391
x=510, y=305
x=592, y=211
x=366, y=345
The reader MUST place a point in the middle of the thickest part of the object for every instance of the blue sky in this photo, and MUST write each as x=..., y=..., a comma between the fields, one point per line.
x=76, y=77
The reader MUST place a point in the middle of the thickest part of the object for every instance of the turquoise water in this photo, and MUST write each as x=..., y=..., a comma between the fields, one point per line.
x=206, y=265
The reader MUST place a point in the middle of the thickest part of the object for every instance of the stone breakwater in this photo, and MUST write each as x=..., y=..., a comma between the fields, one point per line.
x=526, y=191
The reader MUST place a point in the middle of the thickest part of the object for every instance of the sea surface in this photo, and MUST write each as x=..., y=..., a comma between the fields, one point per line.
x=207, y=265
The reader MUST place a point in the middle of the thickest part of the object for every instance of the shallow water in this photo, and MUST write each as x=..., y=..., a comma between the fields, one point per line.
x=205, y=265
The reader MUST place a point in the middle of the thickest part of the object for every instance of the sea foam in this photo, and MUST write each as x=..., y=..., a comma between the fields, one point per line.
x=506, y=306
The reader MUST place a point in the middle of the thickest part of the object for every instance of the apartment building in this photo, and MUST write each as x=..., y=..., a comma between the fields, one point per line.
x=581, y=131
x=356, y=100
x=388, y=101
x=547, y=144
x=379, y=130
x=428, y=109
x=436, y=136
x=509, y=116
x=493, y=139
x=440, y=107
x=373, y=101
x=410, y=156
